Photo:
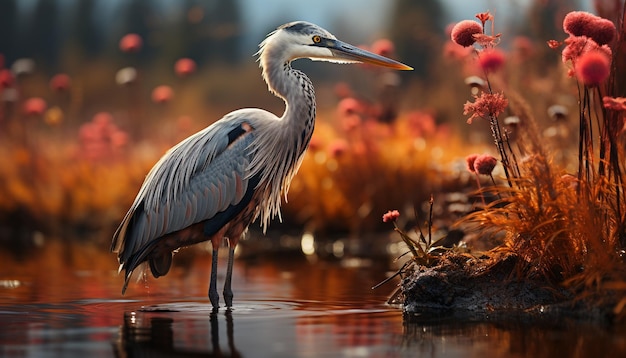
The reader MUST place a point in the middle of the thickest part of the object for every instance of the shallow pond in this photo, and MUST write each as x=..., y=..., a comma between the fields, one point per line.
x=64, y=300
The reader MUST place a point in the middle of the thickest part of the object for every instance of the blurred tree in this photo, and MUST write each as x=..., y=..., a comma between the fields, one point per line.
x=83, y=30
x=42, y=36
x=8, y=29
x=417, y=30
x=218, y=32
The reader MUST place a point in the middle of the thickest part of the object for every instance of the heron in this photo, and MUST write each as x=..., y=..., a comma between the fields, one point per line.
x=215, y=183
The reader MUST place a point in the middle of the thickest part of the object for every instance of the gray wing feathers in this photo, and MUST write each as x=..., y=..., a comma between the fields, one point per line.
x=192, y=182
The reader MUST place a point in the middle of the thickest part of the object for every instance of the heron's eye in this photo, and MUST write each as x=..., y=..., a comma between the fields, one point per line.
x=317, y=39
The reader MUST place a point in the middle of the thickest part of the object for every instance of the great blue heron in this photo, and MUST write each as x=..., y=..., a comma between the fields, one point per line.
x=213, y=184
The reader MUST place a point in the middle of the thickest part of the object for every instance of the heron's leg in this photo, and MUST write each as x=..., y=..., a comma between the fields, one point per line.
x=213, y=296
x=228, y=292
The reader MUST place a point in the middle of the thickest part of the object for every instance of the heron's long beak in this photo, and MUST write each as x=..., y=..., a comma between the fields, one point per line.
x=345, y=51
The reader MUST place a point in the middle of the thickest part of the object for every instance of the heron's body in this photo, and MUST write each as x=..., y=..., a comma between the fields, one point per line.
x=213, y=184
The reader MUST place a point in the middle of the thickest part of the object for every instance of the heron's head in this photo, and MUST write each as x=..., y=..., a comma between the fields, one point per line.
x=302, y=39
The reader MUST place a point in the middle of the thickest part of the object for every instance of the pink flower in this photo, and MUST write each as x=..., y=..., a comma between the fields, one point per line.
x=470, y=160
x=185, y=67
x=523, y=47
x=485, y=163
x=383, y=47
x=60, y=82
x=6, y=78
x=34, y=106
x=391, y=215
x=491, y=60
x=614, y=103
x=603, y=31
x=162, y=94
x=485, y=105
x=455, y=52
x=576, y=23
x=463, y=32
x=338, y=148
x=592, y=68
x=349, y=106
x=576, y=46
x=484, y=17
x=581, y=23
x=553, y=44
x=131, y=43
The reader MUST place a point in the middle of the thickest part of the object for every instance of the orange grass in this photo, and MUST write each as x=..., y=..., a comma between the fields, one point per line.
x=566, y=229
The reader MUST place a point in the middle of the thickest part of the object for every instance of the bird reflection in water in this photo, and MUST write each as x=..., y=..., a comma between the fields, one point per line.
x=160, y=334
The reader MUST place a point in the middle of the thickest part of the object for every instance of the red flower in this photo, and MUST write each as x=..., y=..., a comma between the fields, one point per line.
x=6, y=78
x=383, y=47
x=391, y=215
x=614, y=103
x=603, y=31
x=455, y=52
x=485, y=163
x=470, y=159
x=484, y=17
x=162, y=94
x=463, y=32
x=491, y=60
x=581, y=23
x=185, y=67
x=349, y=106
x=485, y=105
x=338, y=148
x=592, y=68
x=34, y=106
x=523, y=46
x=553, y=44
x=60, y=82
x=576, y=23
x=579, y=45
x=131, y=43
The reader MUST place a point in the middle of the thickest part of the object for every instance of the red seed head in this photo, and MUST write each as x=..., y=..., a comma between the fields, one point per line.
x=470, y=159
x=162, y=94
x=576, y=23
x=463, y=32
x=602, y=31
x=34, y=106
x=592, y=68
x=491, y=60
x=60, y=82
x=485, y=163
x=185, y=67
x=391, y=215
x=131, y=43
x=581, y=23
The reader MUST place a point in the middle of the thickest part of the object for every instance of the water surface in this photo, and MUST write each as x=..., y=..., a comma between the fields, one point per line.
x=65, y=301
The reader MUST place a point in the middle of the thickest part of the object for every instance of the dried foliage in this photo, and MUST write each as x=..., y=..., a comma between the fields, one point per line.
x=567, y=229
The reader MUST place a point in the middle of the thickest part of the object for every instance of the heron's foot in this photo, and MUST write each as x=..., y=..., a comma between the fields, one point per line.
x=214, y=297
x=228, y=297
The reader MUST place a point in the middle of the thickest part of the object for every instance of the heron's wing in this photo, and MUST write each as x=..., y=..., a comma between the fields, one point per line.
x=202, y=178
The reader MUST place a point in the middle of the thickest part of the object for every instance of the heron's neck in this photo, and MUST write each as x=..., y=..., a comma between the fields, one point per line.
x=295, y=88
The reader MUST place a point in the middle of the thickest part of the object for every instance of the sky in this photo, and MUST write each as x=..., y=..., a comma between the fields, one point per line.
x=366, y=19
